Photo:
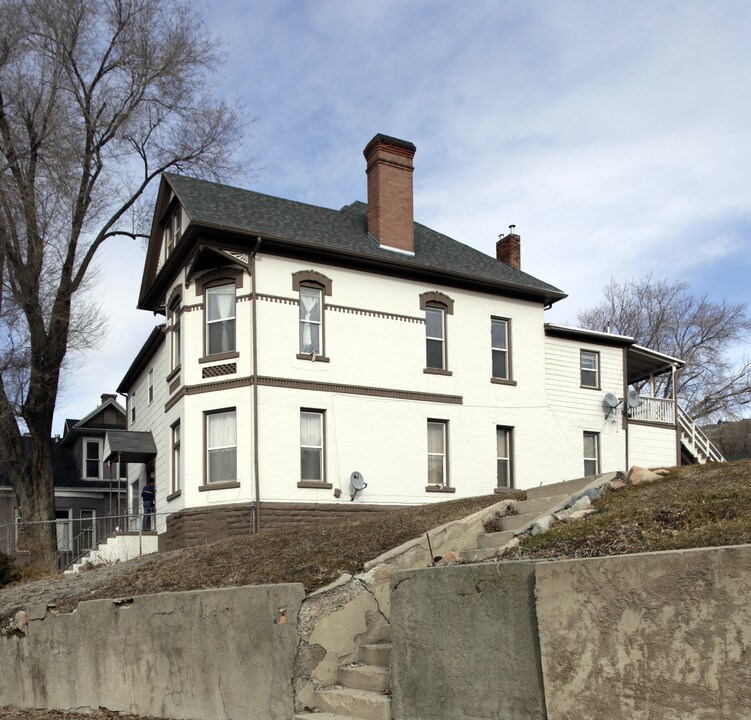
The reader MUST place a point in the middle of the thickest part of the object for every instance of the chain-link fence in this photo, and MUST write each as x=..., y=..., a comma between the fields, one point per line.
x=88, y=541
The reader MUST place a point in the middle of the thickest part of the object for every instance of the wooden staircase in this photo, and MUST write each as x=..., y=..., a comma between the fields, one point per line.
x=695, y=442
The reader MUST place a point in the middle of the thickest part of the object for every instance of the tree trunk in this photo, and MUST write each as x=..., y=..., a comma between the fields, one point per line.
x=32, y=480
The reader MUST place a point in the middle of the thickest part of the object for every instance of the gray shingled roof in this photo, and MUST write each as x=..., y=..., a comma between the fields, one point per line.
x=346, y=229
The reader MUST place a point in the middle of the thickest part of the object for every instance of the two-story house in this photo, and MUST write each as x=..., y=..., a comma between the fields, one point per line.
x=89, y=488
x=316, y=361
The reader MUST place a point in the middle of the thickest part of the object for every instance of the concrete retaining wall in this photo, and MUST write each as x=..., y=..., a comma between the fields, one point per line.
x=660, y=635
x=209, y=654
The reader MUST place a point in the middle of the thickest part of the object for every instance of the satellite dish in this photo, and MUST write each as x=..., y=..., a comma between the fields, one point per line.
x=357, y=483
x=612, y=401
x=634, y=399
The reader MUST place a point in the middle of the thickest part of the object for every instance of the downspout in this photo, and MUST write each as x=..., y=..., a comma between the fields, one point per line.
x=625, y=404
x=254, y=384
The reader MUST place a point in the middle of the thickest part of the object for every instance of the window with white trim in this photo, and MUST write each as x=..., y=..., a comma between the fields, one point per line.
x=589, y=363
x=435, y=338
x=176, y=339
x=64, y=530
x=133, y=406
x=591, y=453
x=311, y=446
x=503, y=457
x=437, y=453
x=500, y=348
x=88, y=530
x=176, y=464
x=92, y=458
x=221, y=446
x=220, y=319
x=311, y=320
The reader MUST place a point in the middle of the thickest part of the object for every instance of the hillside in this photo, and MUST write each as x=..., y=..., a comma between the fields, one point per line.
x=694, y=506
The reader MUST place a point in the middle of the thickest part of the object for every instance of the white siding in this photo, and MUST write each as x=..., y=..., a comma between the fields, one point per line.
x=650, y=446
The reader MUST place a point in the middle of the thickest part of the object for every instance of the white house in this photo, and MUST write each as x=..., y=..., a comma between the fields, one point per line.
x=302, y=344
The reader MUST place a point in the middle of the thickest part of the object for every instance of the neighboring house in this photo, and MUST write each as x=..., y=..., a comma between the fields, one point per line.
x=87, y=488
x=303, y=344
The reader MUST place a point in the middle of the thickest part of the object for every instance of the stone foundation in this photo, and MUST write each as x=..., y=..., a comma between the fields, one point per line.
x=205, y=525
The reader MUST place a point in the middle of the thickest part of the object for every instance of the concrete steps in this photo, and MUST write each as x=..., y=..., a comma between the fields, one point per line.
x=365, y=686
x=540, y=501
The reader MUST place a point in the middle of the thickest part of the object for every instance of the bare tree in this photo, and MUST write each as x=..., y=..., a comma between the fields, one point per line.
x=97, y=98
x=668, y=317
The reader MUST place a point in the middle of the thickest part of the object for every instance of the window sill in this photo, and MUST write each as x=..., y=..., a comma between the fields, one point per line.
x=218, y=356
x=309, y=356
x=218, y=486
x=174, y=373
x=314, y=484
x=439, y=488
x=504, y=490
x=501, y=381
x=174, y=495
x=590, y=387
x=436, y=371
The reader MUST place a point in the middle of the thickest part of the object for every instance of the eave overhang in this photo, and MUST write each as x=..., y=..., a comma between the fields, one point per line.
x=152, y=344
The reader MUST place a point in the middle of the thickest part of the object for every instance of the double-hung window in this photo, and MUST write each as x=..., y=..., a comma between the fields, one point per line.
x=221, y=447
x=92, y=459
x=175, y=312
x=503, y=457
x=176, y=465
x=88, y=530
x=312, y=467
x=589, y=363
x=220, y=319
x=173, y=230
x=150, y=385
x=500, y=348
x=437, y=453
x=591, y=453
x=435, y=338
x=311, y=299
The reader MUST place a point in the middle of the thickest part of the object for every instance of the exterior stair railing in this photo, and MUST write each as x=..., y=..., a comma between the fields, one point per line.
x=696, y=441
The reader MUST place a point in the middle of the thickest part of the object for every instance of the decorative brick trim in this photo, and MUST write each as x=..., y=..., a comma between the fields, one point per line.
x=436, y=297
x=311, y=277
x=278, y=299
x=192, y=308
x=375, y=313
x=219, y=370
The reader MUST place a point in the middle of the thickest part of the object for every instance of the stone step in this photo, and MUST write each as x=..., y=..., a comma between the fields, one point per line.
x=383, y=634
x=494, y=540
x=365, y=677
x=514, y=522
x=376, y=654
x=363, y=704
x=478, y=554
x=323, y=716
x=540, y=505
x=568, y=487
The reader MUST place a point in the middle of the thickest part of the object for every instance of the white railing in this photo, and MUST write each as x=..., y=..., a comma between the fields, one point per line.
x=653, y=409
x=696, y=441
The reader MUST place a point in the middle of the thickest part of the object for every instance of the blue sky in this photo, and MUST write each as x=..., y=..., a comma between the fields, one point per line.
x=615, y=136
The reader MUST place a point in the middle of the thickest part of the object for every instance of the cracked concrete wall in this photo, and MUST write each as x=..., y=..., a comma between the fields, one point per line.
x=210, y=654
x=467, y=643
x=661, y=635
x=336, y=620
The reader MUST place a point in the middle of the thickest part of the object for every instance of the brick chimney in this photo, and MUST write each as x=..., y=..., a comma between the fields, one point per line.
x=390, y=213
x=508, y=249
x=108, y=396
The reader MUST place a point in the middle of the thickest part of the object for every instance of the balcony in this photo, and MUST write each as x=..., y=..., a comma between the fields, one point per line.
x=654, y=410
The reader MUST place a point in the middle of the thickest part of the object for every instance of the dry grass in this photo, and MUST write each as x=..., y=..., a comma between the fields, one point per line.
x=693, y=506
x=9, y=713
x=313, y=555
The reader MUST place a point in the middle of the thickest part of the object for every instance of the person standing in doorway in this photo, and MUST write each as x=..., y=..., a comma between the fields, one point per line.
x=148, y=495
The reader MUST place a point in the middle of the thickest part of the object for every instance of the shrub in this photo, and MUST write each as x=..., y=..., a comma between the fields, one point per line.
x=8, y=572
